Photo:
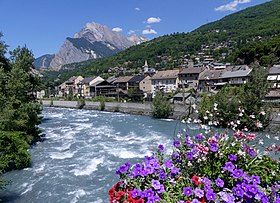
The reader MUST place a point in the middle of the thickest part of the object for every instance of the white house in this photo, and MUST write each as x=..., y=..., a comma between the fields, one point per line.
x=165, y=81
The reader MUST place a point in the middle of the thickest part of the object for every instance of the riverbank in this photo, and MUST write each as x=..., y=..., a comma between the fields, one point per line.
x=179, y=111
x=132, y=108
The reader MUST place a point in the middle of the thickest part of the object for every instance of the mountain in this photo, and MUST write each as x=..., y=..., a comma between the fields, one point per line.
x=92, y=42
x=247, y=36
x=43, y=61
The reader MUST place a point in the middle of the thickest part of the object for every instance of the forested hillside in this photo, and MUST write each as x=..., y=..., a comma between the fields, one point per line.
x=250, y=35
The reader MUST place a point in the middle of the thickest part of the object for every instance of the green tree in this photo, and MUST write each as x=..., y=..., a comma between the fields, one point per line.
x=161, y=107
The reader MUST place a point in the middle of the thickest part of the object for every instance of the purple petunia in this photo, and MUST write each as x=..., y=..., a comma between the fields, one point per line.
x=161, y=147
x=210, y=196
x=206, y=181
x=232, y=157
x=162, y=176
x=136, y=193
x=238, y=191
x=214, y=147
x=256, y=179
x=251, y=152
x=187, y=191
x=253, y=189
x=198, y=192
x=229, y=166
x=168, y=163
x=176, y=143
x=189, y=155
x=156, y=184
x=199, y=137
x=237, y=173
x=219, y=182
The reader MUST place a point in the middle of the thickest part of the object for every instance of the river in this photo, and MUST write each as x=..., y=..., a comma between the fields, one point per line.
x=82, y=151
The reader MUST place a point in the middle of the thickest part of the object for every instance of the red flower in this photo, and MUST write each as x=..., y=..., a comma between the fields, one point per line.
x=188, y=201
x=119, y=195
x=111, y=192
x=139, y=200
x=196, y=180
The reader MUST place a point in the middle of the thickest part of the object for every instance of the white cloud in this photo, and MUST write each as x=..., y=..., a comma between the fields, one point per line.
x=149, y=31
x=231, y=6
x=137, y=9
x=131, y=32
x=153, y=20
x=117, y=29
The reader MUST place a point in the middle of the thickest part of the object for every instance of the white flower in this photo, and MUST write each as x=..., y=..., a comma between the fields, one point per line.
x=233, y=144
x=196, y=111
x=276, y=137
x=245, y=129
x=259, y=125
x=205, y=117
x=179, y=135
x=262, y=113
x=268, y=136
x=261, y=141
x=240, y=114
x=273, y=173
x=211, y=115
x=198, y=160
x=215, y=104
x=238, y=122
x=252, y=116
x=189, y=163
x=194, y=106
x=210, y=123
x=240, y=152
x=206, y=111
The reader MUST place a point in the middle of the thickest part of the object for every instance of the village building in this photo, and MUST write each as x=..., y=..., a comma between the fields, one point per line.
x=73, y=85
x=87, y=83
x=165, y=81
x=188, y=77
x=236, y=75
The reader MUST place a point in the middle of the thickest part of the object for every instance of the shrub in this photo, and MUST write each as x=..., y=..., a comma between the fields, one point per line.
x=161, y=107
x=102, y=105
x=203, y=168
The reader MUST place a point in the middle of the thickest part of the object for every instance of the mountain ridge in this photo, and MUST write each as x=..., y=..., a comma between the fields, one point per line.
x=92, y=42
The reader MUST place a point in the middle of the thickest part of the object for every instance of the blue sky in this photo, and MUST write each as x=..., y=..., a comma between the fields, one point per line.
x=43, y=25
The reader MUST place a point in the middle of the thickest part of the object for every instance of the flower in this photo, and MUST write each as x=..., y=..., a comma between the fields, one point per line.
x=256, y=179
x=214, y=147
x=210, y=196
x=229, y=166
x=219, y=182
x=161, y=147
x=136, y=193
x=156, y=184
x=237, y=173
x=198, y=192
x=196, y=180
x=232, y=157
x=188, y=191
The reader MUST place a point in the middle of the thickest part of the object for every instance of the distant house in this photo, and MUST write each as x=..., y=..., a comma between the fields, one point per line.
x=210, y=80
x=103, y=88
x=73, y=85
x=166, y=81
x=87, y=83
x=236, y=77
x=180, y=97
x=134, y=82
x=62, y=90
x=188, y=77
x=274, y=76
x=122, y=82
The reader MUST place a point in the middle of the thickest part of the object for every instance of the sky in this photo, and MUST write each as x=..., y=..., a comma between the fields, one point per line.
x=43, y=25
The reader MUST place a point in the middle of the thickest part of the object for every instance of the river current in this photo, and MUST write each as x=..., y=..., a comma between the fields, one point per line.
x=82, y=151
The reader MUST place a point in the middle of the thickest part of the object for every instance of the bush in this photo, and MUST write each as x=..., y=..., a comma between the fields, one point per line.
x=203, y=168
x=161, y=107
x=102, y=105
